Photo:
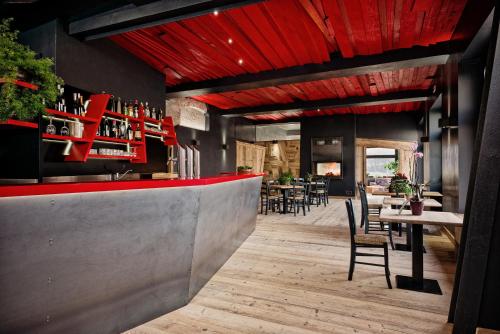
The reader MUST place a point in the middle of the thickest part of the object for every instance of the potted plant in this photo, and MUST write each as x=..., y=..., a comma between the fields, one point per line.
x=416, y=200
x=400, y=184
x=245, y=170
x=18, y=62
x=286, y=178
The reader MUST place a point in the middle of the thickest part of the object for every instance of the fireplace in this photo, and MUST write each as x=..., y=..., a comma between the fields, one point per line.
x=333, y=169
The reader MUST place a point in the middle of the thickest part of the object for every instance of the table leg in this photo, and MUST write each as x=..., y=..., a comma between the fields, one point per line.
x=285, y=200
x=407, y=247
x=417, y=282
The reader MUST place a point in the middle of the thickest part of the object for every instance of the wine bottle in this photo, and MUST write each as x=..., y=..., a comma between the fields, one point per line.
x=107, y=130
x=114, y=130
x=136, y=108
x=147, y=112
x=75, y=103
x=119, y=105
x=82, y=107
x=112, y=103
x=130, y=132
x=137, y=133
x=123, y=130
x=130, y=109
x=160, y=114
x=153, y=113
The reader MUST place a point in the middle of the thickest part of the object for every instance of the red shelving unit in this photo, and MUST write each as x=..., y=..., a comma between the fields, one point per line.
x=170, y=138
x=11, y=123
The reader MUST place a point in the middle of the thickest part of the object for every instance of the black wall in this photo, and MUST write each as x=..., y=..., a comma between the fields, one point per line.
x=396, y=126
x=435, y=146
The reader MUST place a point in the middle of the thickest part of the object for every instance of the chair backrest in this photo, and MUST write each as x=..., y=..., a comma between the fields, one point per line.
x=364, y=204
x=297, y=191
x=350, y=216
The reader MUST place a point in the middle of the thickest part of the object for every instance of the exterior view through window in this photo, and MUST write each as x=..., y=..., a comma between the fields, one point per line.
x=376, y=159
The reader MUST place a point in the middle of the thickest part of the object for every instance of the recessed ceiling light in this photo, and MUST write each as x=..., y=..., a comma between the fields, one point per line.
x=230, y=40
x=216, y=12
x=240, y=61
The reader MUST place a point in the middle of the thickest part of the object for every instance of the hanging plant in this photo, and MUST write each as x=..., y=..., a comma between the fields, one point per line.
x=18, y=62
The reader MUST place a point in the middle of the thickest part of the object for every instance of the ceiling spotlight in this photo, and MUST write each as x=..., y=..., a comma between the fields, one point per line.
x=216, y=12
x=230, y=40
x=240, y=61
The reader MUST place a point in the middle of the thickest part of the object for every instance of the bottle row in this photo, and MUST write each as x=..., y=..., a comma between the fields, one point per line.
x=78, y=105
x=119, y=129
x=114, y=152
x=134, y=109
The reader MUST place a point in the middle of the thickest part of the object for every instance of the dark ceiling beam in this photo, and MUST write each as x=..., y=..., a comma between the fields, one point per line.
x=338, y=67
x=355, y=101
x=131, y=17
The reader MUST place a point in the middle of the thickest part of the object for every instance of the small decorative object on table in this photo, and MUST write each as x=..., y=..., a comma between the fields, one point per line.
x=245, y=170
x=417, y=200
x=285, y=178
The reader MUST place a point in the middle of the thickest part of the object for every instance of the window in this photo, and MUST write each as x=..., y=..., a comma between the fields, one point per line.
x=377, y=158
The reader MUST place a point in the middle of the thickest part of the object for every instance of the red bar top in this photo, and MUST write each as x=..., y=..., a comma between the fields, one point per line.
x=85, y=187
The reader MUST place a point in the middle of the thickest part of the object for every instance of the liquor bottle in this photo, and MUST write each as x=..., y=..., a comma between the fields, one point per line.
x=119, y=105
x=81, y=106
x=137, y=133
x=107, y=130
x=130, y=132
x=130, y=109
x=123, y=130
x=153, y=113
x=147, y=112
x=114, y=130
x=112, y=104
x=136, y=109
x=75, y=103
x=160, y=114
x=125, y=108
x=141, y=110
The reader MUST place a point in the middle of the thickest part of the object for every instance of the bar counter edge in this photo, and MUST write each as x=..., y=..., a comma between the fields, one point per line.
x=101, y=261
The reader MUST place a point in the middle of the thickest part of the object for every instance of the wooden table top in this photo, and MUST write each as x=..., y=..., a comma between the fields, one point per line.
x=285, y=186
x=375, y=202
x=427, y=217
x=428, y=202
x=432, y=194
x=425, y=193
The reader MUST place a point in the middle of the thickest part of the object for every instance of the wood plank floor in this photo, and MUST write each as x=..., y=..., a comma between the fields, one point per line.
x=290, y=276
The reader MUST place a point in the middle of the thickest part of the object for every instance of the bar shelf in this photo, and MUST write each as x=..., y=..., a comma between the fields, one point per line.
x=110, y=157
x=83, y=119
x=118, y=115
x=17, y=123
x=59, y=137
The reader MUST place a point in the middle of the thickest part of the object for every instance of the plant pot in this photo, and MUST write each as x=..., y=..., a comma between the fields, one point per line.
x=417, y=207
x=245, y=171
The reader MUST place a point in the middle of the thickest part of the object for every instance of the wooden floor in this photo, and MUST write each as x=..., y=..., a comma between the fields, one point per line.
x=290, y=276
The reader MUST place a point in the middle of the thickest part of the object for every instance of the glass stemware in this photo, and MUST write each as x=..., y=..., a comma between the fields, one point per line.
x=64, y=130
x=51, y=128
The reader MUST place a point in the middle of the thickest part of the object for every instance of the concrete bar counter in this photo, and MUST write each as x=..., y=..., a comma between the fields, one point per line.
x=103, y=257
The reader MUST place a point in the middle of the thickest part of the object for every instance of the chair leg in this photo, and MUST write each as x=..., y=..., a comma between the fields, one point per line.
x=400, y=229
x=351, y=265
x=324, y=199
x=390, y=237
x=294, y=208
x=304, y=207
x=267, y=205
x=261, y=204
x=386, y=266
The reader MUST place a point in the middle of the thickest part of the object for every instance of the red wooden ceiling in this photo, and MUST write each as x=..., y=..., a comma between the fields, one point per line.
x=283, y=33
x=373, y=84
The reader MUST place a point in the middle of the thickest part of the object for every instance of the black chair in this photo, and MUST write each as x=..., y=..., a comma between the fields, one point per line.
x=268, y=198
x=366, y=241
x=298, y=197
x=370, y=217
x=318, y=191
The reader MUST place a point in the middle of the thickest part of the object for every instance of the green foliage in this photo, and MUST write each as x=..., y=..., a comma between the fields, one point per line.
x=240, y=168
x=392, y=166
x=285, y=178
x=15, y=58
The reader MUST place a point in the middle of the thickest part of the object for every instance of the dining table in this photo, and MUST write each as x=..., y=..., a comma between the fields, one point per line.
x=417, y=282
x=284, y=188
